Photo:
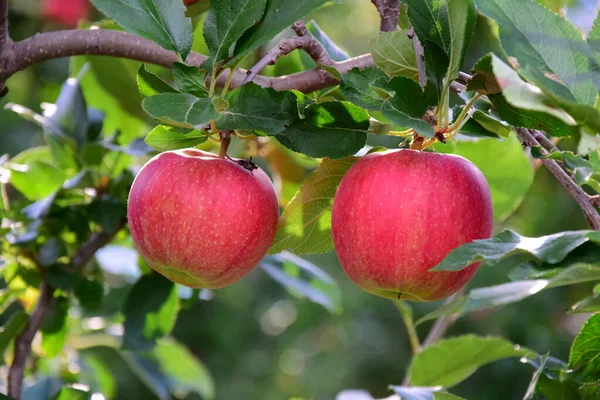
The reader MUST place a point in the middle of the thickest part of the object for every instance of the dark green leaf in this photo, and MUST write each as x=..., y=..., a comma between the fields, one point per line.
x=357, y=87
x=254, y=108
x=190, y=79
x=550, y=249
x=304, y=279
x=70, y=111
x=150, y=84
x=305, y=226
x=51, y=250
x=278, y=15
x=549, y=50
x=55, y=327
x=164, y=138
x=430, y=21
x=331, y=129
x=226, y=21
x=394, y=53
x=108, y=211
x=11, y=328
x=585, y=351
x=333, y=50
x=150, y=311
x=90, y=294
x=162, y=21
x=450, y=361
x=181, y=109
x=461, y=24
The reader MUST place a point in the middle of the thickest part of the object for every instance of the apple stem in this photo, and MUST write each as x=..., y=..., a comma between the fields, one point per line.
x=225, y=141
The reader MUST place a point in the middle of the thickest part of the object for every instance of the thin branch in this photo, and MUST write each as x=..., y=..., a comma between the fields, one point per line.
x=24, y=340
x=543, y=140
x=3, y=24
x=304, y=41
x=583, y=199
x=389, y=11
x=420, y=56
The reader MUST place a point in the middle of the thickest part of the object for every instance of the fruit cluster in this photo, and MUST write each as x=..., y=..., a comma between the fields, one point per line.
x=205, y=222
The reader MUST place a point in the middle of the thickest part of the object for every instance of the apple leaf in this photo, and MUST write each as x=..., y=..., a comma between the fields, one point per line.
x=585, y=351
x=36, y=180
x=357, y=86
x=550, y=249
x=491, y=124
x=450, y=361
x=394, y=53
x=11, y=328
x=505, y=166
x=563, y=66
x=255, y=108
x=461, y=25
x=181, y=109
x=148, y=318
x=429, y=18
x=225, y=23
x=594, y=39
x=333, y=50
x=162, y=21
x=305, y=226
x=69, y=393
x=190, y=79
x=70, y=113
x=56, y=326
x=164, y=138
x=332, y=129
x=304, y=280
x=278, y=15
x=149, y=84
x=536, y=376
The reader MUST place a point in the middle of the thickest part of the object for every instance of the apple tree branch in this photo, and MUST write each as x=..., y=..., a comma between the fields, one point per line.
x=389, y=11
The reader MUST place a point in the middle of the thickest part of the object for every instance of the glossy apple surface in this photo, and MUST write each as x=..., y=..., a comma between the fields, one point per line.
x=397, y=214
x=200, y=220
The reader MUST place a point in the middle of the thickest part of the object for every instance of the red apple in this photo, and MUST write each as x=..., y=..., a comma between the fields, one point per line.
x=200, y=220
x=65, y=12
x=397, y=214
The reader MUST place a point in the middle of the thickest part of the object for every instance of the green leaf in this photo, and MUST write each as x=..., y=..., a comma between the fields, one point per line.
x=254, y=108
x=450, y=361
x=594, y=39
x=164, y=138
x=90, y=294
x=494, y=125
x=304, y=280
x=394, y=53
x=358, y=87
x=181, y=109
x=36, y=180
x=430, y=21
x=585, y=351
x=226, y=22
x=305, y=226
x=190, y=79
x=70, y=111
x=162, y=21
x=563, y=66
x=149, y=84
x=423, y=393
x=536, y=376
x=551, y=249
x=333, y=50
x=11, y=328
x=461, y=24
x=407, y=106
x=278, y=15
x=330, y=129
x=55, y=327
x=69, y=393
x=505, y=166
x=150, y=311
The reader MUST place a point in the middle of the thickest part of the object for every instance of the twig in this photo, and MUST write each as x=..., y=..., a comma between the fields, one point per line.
x=543, y=140
x=584, y=200
x=44, y=304
x=420, y=57
x=24, y=339
x=304, y=41
x=389, y=11
x=595, y=200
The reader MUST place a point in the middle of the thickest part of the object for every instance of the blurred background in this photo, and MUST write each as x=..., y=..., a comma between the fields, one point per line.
x=258, y=341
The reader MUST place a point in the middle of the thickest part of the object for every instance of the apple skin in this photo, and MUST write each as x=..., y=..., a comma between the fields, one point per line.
x=397, y=214
x=66, y=12
x=200, y=220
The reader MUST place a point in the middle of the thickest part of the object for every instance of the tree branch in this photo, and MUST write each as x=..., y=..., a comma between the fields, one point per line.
x=388, y=11
x=420, y=57
x=4, y=38
x=584, y=200
x=23, y=341
x=304, y=41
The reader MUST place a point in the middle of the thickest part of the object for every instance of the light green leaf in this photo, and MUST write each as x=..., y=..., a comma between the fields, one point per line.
x=494, y=125
x=536, y=376
x=181, y=109
x=451, y=361
x=162, y=21
x=37, y=179
x=305, y=226
x=225, y=23
x=11, y=328
x=164, y=138
x=585, y=351
x=358, y=87
x=149, y=84
x=190, y=79
x=69, y=393
x=394, y=53
x=461, y=24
